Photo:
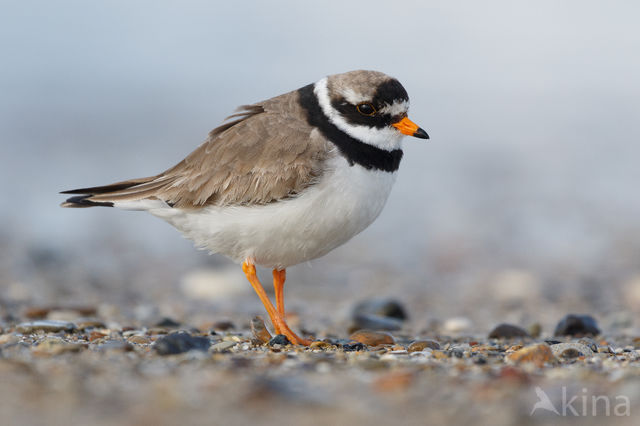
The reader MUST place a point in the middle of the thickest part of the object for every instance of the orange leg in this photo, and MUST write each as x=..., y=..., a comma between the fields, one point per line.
x=277, y=320
x=279, y=276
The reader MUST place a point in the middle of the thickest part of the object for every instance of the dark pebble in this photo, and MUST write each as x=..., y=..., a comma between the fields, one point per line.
x=388, y=308
x=279, y=339
x=480, y=360
x=353, y=347
x=552, y=342
x=224, y=325
x=375, y=322
x=577, y=325
x=167, y=323
x=178, y=343
x=507, y=331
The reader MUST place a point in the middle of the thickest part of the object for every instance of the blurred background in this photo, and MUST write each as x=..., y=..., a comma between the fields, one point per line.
x=523, y=205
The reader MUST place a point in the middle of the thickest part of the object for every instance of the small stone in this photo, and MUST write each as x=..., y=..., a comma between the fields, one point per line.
x=279, y=339
x=56, y=346
x=259, y=332
x=457, y=325
x=319, y=344
x=354, y=347
x=140, y=340
x=41, y=312
x=95, y=335
x=374, y=322
x=538, y=354
x=421, y=345
x=224, y=325
x=570, y=350
x=387, y=308
x=507, y=331
x=577, y=325
x=167, y=322
x=47, y=326
x=177, y=343
x=223, y=346
x=115, y=345
x=372, y=338
x=86, y=323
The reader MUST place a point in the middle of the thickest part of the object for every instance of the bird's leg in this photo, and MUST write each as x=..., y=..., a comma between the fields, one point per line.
x=277, y=320
x=249, y=270
x=279, y=276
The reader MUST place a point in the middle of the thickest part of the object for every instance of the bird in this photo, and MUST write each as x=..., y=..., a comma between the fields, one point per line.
x=282, y=181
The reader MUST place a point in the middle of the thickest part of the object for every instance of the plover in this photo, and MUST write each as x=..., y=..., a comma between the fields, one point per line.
x=282, y=181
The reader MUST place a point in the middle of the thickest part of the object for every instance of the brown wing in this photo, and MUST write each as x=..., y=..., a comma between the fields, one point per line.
x=266, y=154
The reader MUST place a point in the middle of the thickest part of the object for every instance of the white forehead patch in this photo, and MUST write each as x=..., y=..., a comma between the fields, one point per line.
x=352, y=97
x=387, y=138
x=396, y=108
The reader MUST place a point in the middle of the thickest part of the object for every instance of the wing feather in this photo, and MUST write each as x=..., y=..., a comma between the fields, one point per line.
x=267, y=153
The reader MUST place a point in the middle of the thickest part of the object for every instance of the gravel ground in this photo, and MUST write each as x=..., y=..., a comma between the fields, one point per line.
x=175, y=340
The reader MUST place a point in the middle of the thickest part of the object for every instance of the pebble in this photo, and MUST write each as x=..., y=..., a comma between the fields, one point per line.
x=223, y=346
x=41, y=312
x=115, y=345
x=372, y=338
x=378, y=314
x=319, y=344
x=260, y=334
x=570, y=350
x=279, y=339
x=420, y=345
x=56, y=346
x=373, y=322
x=48, y=326
x=354, y=347
x=457, y=325
x=86, y=323
x=167, y=322
x=388, y=308
x=177, y=343
x=538, y=354
x=577, y=325
x=140, y=340
x=507, y=331
x=224, y=325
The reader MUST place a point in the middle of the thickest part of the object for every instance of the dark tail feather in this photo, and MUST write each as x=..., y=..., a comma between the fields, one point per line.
x=83, y=201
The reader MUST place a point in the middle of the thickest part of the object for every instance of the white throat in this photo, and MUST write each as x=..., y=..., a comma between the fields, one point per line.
x=387, y=138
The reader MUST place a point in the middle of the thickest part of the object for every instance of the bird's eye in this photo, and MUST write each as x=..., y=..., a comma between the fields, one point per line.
x=365, y=108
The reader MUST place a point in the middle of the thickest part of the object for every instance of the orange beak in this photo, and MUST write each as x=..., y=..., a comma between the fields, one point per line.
x=410, y=128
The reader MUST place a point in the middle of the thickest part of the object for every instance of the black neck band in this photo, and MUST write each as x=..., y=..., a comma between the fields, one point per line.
x=355, y=151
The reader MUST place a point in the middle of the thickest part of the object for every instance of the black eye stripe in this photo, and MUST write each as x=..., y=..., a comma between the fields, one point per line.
x=352, y=116
x=354, y=150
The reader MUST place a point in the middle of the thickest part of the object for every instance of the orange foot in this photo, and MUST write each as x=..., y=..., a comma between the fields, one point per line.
x=277, y=316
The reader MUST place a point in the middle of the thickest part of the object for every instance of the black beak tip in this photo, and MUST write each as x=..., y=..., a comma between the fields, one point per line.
x=420, y=133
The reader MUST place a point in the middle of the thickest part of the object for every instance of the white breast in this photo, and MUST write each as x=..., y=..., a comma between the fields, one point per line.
x=285, y=233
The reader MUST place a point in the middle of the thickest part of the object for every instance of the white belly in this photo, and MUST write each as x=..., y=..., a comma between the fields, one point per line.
x=285, y=233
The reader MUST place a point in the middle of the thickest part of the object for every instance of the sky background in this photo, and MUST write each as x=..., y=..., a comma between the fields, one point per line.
x=532, y=108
